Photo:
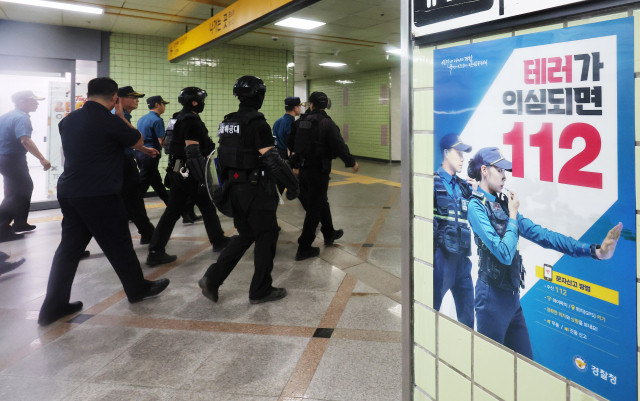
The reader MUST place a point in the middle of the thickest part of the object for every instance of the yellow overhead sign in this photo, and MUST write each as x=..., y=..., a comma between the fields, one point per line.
x=239, y=18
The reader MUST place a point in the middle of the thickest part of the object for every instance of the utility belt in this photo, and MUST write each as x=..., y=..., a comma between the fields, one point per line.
x=491, y=271
x=312, y=162
x=251, y=177
x=453, y=237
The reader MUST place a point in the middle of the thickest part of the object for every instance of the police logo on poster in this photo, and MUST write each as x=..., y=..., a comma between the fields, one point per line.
x=534, y=198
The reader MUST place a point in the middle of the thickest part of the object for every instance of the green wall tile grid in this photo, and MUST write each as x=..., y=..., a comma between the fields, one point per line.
x=359, y=100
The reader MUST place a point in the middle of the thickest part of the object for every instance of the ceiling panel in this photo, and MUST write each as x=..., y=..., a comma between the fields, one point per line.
x=373, y=2
x=174, y=5
x=102, y=22
x=199, y=10
x=381, y=14
x=137, y=26
x=26, y=13
x=325, y=16
x=347, y=7
x=356, y=22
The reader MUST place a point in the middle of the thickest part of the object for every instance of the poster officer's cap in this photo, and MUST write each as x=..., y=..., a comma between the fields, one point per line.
x=493, y=157
x=127, y=91
x=452, y=141
x=24, y=95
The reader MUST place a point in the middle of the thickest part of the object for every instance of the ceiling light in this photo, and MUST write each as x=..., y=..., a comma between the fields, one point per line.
x=345, y=82
x=300, y=23
x=332, y=64
x=395, y=51
x=57, y=5
x=291, y=65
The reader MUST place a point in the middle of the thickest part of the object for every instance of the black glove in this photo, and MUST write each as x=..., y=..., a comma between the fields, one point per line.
x=281, y=171
x=292, y=194
x=197, y=165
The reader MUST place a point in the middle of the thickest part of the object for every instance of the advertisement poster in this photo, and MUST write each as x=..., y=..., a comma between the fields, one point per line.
x=557, y=109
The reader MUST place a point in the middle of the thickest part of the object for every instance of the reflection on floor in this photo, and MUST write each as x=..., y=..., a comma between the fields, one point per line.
x=336, y=336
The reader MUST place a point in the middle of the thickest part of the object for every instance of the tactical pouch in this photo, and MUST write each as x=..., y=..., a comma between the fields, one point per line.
x=465, y=238
x=442, y=202
x=450, y=239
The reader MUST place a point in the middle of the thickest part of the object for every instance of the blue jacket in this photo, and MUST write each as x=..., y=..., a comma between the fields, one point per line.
x=281, y=130
x=13, y=125
x=506, y=247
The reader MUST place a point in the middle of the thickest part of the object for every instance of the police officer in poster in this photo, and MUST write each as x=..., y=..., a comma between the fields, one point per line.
x=188, y=144
x=250, y=166
x=314, y=141
x=497, y=226
x=451, y=233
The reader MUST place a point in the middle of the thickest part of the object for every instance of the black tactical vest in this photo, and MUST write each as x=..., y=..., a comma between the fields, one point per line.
x=451, y=230
x=491, y=270
x=311, y=143
x=174, y=139
x=233, y=152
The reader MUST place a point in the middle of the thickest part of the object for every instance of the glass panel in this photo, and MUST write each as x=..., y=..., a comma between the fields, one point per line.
x=55, y=88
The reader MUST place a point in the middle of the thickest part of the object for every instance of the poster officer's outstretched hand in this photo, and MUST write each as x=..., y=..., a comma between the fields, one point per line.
x=608, y=246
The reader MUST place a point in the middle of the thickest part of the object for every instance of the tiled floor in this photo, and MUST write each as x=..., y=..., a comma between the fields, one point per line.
x=335, y=337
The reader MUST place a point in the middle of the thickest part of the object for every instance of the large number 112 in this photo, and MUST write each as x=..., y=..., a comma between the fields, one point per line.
x=571, y=173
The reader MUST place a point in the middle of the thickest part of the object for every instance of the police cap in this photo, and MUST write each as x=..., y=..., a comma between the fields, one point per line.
x=24, y=95
x=291, y=102
x=152, y=100
x=453, y=141
x=492, y=157
x=127, y=91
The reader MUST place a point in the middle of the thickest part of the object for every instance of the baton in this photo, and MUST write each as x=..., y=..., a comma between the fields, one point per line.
x=207, y=166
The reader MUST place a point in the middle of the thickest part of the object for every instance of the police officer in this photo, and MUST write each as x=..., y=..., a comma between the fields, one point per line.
x=451, y=233
x=314, y=141
x=133, y=199
x=282, y=128
x=15, y=142
x=250, y=165
x=188, y=144
x=497, y=227
x=151, y=126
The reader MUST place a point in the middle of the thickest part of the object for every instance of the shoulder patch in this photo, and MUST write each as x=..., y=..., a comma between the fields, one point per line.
x=477, y=194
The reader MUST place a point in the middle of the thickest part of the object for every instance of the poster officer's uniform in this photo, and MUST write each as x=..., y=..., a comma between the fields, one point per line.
x=133, y=199
x=314, y=141
x=250, y=188
x=186, y=175
x=500, y=269
x=452, y=238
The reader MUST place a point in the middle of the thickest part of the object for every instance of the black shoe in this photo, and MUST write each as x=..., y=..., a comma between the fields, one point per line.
x=186, y=219
x=194, y=217
x=155, y=259
x=10, y=236
x=220, y=245
x=6, y=267
x=21, y=228
x=85, y=255
x=145, y=239
x=279, y=228
x=276, y=294
x=156, y=288
x=3, y=257
x=336, y=235
x=69, y=309
x=307, y=253
x=208, y=290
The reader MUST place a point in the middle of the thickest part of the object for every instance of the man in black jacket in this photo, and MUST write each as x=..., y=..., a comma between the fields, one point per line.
x=188, y=144
x=314, y=141
x=89, y=192
x=250, y=165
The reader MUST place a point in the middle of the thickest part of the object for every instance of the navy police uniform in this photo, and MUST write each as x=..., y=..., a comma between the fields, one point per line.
x=501, y=270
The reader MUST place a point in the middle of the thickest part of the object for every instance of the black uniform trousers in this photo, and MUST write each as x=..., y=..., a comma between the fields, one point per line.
x=254, y=225
x=18, y=188
x=105, y=219
x=314, y=184
x=183, y=189
x=132, y=197
x=150, y=176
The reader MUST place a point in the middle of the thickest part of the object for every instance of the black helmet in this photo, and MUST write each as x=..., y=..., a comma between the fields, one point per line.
x=249, y=87
x=191, y=93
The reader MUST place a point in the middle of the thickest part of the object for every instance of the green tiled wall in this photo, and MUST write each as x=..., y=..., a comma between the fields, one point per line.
x=365, y=110
x=451, y=362
x=141, y=61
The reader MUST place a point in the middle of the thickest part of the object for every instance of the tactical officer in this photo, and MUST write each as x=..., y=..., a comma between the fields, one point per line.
x=250, y=165
x=314, y=141
x=15, y=142
x=133, y=199
x=451, y=233
x=497, y=227
x=187, y=143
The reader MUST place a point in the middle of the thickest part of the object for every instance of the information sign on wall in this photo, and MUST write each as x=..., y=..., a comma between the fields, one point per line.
x=541, y=123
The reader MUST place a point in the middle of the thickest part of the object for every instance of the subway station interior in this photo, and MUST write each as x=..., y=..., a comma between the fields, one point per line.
x=409, y=83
